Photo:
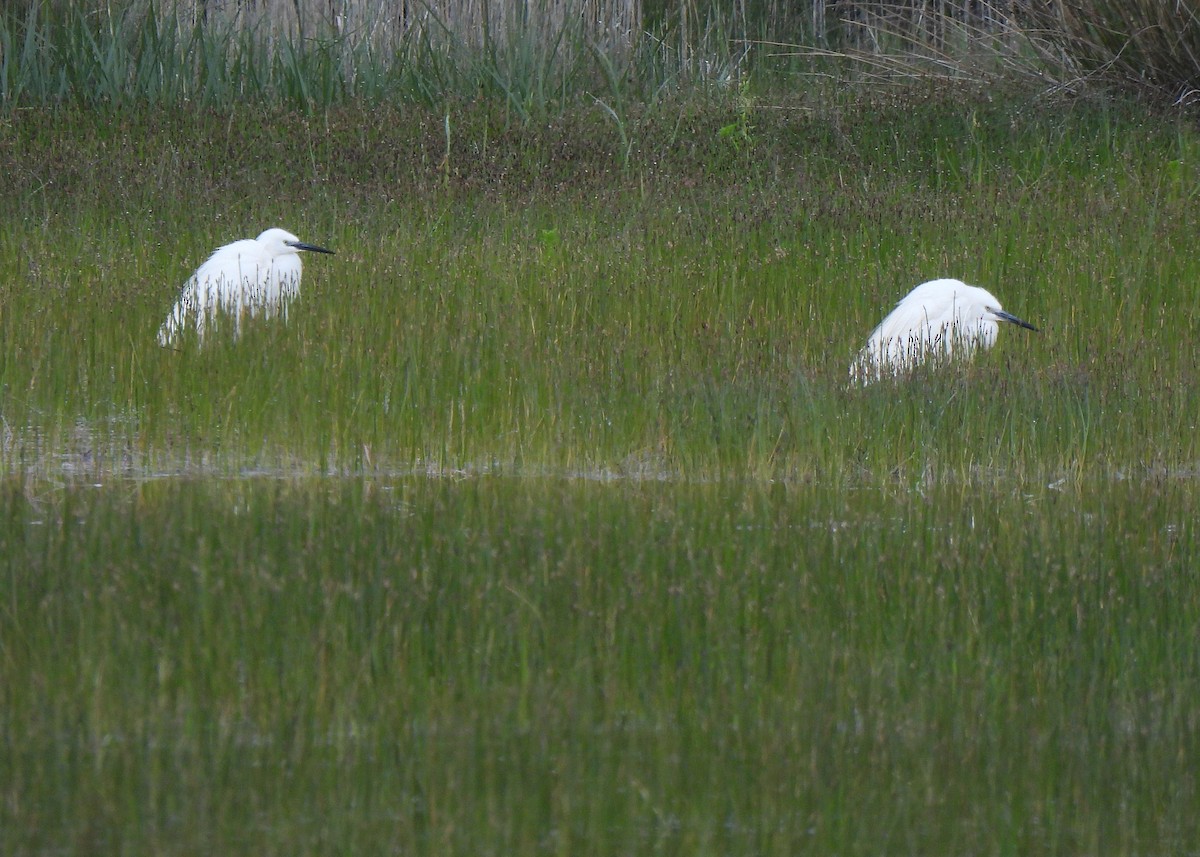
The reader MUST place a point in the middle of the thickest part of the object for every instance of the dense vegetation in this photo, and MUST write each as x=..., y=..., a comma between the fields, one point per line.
x=537, y=57
x=682, y=291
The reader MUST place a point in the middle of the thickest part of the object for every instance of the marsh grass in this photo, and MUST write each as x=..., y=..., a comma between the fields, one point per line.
x=269, y=666
x=540, y=305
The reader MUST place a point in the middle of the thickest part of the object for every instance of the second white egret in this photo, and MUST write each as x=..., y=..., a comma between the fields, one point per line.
x=938, y=320
x=255, y=276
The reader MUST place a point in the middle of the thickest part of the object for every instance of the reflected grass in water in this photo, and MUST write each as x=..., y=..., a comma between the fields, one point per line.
x=493, y=665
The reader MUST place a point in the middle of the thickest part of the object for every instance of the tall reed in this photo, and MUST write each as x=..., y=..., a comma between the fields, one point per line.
x=534, y=56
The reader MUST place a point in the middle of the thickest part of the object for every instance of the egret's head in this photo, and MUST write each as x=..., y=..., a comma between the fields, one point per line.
x=280, y=242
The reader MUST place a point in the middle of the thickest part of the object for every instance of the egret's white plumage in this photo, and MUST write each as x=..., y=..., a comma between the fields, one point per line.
x=938, y=320
x=255, y=276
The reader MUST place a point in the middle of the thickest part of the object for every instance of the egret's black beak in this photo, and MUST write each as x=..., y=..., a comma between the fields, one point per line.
x=1009, y=317
x=312, y=248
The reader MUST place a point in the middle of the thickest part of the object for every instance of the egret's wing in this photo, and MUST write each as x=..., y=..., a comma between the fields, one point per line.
x=919, y=327
x=187, y=306
x=232, y=276
x=221, y=283
x=916, y=321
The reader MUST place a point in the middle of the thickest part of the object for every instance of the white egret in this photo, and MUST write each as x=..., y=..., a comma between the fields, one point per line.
x=936, y=321
x=255, y=276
